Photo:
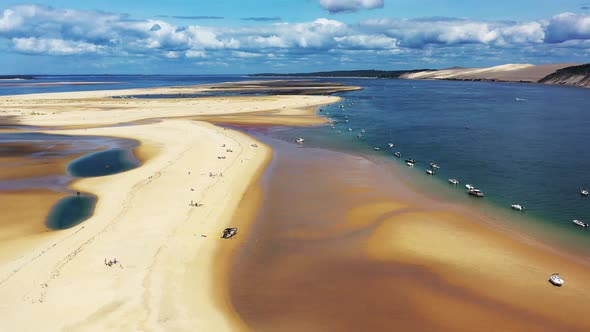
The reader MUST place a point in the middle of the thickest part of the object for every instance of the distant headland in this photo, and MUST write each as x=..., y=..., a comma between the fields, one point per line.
x=557, y=74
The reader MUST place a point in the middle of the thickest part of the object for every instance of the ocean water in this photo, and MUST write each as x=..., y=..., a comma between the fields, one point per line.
x=12, y=87
x=519, y=143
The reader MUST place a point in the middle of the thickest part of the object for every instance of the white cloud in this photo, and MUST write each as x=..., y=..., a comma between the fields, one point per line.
x=34, y=29
x=568, y=26
x=195, y=54
x=336, y=6
x=53, y=46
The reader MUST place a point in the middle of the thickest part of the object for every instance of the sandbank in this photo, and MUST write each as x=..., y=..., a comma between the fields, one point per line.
x=146, y=218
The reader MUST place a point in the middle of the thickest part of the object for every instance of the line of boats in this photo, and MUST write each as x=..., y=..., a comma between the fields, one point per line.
x=471, y=190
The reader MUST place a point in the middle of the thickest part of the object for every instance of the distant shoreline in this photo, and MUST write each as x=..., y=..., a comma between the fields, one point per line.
x=565, y=74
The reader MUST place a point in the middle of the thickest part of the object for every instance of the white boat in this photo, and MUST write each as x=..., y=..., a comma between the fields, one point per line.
x=580, y=223
x=390, y=145
x=556, y=280
x=517, y=207
x=430, y=171
x=434, y=165
x=475, y=192
x=584, y=192
x=410, y=164
x=398, y=154
x=376, y=149
x=454, y=181
x=520, y=99
x=469, y=187
x=349, y=129
x=300, y=140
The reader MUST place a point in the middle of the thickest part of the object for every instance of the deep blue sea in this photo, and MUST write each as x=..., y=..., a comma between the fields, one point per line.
x=519, y=143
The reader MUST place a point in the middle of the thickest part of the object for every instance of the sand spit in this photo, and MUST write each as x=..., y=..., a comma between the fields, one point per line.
x=504, y=73
x=161, y=221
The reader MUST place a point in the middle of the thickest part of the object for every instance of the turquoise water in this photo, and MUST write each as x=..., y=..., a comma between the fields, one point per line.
x=531, y=151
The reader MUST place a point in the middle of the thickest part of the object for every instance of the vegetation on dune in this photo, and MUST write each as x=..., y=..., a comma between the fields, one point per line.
x=582, y=71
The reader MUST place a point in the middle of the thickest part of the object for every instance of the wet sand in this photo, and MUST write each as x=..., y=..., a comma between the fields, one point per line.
x=341, y=244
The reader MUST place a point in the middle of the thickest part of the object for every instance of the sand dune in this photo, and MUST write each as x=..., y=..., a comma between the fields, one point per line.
x=508, y=72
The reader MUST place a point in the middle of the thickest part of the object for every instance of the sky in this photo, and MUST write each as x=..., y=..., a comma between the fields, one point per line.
x=282, y=36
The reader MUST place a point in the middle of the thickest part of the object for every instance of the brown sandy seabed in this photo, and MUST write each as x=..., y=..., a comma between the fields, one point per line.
x=341, y=244
x=380, y=258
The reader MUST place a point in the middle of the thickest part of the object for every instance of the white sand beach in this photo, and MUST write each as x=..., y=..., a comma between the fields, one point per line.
x=145, y=218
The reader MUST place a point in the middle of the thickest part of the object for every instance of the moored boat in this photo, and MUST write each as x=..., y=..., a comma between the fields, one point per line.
x=584, y=192
x=434, y=165
x=411, y=160
x=556, y=280
x=410, y=164
x=390, y=145
x=430, y=171
x=454, y=181
x=475, y=192
x=580, y=223
x=376, y=149
x=517, y=207
x=300, y=140
x=398, y=154
x=469, y=186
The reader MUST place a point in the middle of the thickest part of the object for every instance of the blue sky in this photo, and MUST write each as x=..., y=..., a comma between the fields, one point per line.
x=229, y=36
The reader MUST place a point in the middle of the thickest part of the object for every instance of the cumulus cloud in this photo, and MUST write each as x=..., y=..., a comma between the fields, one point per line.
x=337, y=6
x=568, y=26
x=419, y=33
x=34, y=29
x=53, y=46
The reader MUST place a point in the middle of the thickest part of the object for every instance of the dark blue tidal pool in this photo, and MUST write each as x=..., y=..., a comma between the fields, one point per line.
x=71, y=211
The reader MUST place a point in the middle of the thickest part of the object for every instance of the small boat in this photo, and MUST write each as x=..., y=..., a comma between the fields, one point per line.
x=300, y=140
x=517, y=207
x=390, y=145
x=397, y=154
x=556, y=280
x=580, y=223
x=362, y=131
x=376, y=149
x=584, y=192
x=434, y=165
x=340, y=106
x=520, y=99
x=475, y=192
x=469, y=187
x=229, y=232
x=430, y=171
x=349, y=129
x=411, y=160
x=359, y=135
x=410, y=164
x=454, y=181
